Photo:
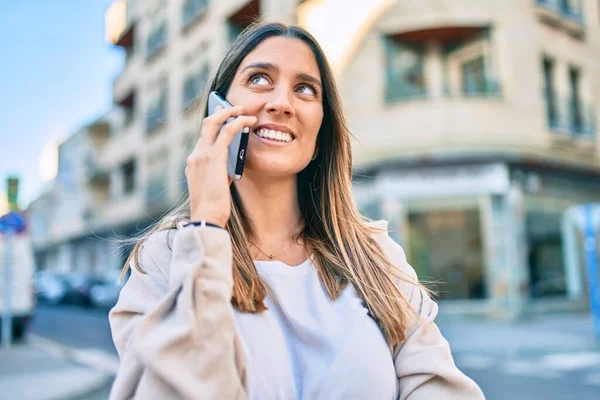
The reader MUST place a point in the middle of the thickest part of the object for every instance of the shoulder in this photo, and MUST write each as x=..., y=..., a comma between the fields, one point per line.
x=391, y=249
x=154, y=256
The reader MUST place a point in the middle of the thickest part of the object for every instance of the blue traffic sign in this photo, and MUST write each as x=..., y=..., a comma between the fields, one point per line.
x=12, y=223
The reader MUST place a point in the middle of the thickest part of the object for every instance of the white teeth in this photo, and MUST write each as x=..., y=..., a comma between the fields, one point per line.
x=274, y=135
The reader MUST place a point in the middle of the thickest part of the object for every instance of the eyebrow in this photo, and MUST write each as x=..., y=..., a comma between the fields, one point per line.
x=271, y=67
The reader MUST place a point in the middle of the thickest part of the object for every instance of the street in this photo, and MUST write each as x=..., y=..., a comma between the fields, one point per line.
x=517, y=362
x=76, y=327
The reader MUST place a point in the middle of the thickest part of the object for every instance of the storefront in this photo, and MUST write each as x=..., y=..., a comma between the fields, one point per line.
x=487, y=237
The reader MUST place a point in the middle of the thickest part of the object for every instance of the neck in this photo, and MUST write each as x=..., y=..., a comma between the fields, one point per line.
x=272, y=204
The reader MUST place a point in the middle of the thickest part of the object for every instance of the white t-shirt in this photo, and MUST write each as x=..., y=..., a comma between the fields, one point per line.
x=306, y=346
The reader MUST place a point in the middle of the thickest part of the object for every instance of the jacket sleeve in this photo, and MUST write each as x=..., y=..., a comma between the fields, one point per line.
x=423, y=361
x=174, y=326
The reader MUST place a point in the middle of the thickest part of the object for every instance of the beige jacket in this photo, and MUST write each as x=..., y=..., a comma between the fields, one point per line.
x=174, y=327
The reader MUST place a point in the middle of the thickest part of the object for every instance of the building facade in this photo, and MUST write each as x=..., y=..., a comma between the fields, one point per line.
x=476, y=129
x=474, y=123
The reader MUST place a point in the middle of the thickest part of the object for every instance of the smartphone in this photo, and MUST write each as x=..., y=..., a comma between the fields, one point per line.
x=236, y=154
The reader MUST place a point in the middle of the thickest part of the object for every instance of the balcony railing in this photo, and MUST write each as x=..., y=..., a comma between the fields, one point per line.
x=192, y=10
x=490, y=87
x=571, y=117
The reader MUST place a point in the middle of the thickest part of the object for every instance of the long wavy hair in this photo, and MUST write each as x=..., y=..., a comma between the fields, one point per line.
x=344, y=250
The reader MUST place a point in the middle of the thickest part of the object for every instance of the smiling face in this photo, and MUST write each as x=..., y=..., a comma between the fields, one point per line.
x=280, y=84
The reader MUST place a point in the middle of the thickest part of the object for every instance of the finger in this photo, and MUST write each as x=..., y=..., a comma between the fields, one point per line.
x=212, y=124
x=232, y=128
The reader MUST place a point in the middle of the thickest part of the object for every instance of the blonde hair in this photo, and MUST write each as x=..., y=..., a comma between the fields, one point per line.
x=341, y=240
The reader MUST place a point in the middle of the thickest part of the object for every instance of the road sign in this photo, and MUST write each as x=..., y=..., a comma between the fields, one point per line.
x=12, y=223
x=592, y=262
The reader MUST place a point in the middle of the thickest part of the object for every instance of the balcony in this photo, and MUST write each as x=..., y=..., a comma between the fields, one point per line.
x=99, y=132
x=562, y=14
x=191, y=12
x=127, y=38
x=128, y=78
x=243, y=17
x=94, y=173
x=122, y=210
x=440, y=62
x=127, y=103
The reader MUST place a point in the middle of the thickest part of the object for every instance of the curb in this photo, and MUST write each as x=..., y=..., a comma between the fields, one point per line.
x=96, y=360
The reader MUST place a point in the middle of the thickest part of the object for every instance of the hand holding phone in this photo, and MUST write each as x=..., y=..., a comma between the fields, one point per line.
x=208, y=167
x=239, y=144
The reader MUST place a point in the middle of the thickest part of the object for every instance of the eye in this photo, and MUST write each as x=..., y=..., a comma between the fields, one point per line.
x=258, y=79
x=307, y=89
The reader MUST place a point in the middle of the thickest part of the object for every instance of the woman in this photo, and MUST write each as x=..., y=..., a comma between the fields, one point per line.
x=274, y=287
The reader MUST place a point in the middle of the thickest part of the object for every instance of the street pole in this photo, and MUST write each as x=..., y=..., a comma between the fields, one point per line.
x=7, y=277
x=592, y=262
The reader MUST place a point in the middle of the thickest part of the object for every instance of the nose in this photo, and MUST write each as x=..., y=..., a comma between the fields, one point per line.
x=280, y=103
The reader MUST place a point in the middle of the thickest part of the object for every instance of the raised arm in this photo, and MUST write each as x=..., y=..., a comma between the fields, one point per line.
x=174, y=326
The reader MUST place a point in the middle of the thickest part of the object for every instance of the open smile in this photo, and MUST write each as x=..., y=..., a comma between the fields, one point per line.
x=274, y=134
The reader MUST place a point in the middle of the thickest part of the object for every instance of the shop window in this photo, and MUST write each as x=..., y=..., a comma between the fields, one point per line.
x=545, y=259
x=446, y=247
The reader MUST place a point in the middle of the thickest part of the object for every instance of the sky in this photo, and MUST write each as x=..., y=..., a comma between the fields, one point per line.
x=56, y=75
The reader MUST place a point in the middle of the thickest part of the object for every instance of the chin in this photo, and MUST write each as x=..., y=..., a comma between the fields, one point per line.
x=273, y=165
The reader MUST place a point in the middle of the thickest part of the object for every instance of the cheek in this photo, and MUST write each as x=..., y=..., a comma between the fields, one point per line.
x=312, y=120
x=248, y=100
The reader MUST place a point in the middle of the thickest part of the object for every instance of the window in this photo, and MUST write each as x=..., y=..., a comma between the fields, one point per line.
x=128, y=170
x=192, y=10
x=156, y=40
x=575, y=107
x=549, y=93
x=571, y=9
x=157, y=113
x=404, y=70
x=193, y=86
x=545, y=259
x=474, y=80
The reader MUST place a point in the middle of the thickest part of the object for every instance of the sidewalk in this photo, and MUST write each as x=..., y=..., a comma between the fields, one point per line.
x=561, y=333
x=35, y=371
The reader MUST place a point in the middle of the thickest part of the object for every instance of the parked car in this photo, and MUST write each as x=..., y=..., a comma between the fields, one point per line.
x=105, y=295
x=50, y=287
x=79, y=286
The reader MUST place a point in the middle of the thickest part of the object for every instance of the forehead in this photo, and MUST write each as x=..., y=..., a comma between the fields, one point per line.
x=287, y=54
